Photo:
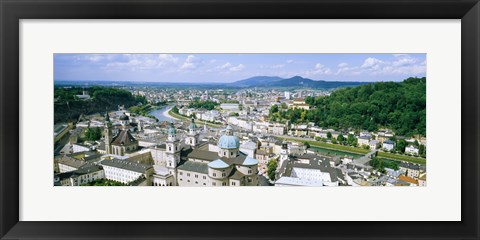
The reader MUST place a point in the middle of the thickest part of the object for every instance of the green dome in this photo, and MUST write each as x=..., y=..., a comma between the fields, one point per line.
x=171, y=130
x=192, y=124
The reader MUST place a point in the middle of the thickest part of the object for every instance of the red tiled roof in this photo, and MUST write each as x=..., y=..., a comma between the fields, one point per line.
x=408, y=179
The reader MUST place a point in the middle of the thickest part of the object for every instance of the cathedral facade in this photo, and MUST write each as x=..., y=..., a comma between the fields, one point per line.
x=186, y=165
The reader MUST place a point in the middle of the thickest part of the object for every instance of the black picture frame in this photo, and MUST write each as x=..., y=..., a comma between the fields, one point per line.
x=12, y=11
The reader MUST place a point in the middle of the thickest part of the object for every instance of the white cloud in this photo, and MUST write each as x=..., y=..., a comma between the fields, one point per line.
x=224, y=66
x=278, y=66
x=191, y=63
x=321, y=69
x=318, y=70
x=402, y=65
x=237, y=68
x=290, y=61
x=403, y=60
x=343, y=65
x=167, y=58
x=134, y=62
x=371, y=63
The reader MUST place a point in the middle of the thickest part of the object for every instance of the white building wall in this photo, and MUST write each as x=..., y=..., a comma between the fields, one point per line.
x=120, y=175
x=193, y=179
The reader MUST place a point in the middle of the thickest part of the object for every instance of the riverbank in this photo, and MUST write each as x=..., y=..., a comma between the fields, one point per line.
x=336, y=147
x=353, y=150
x=181, y=117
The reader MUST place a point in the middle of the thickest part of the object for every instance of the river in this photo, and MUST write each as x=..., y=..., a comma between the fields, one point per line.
x=162, y=113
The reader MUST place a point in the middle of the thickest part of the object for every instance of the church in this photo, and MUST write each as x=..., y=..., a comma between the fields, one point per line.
x=123, y=142
x=184, y=163
x=187, y=165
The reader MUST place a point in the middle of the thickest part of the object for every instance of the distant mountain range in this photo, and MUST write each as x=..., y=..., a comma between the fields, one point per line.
x=258, y=81
x=297, y=81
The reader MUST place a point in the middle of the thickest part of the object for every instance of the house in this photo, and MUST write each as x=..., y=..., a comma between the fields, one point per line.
x=422, y=180
x=393, y=173
x=388, y=145
x=365, y=134
x=68, y=164
x=85, y=174
x=262, y=156
x=410, y=169
x=412, y=149
x=300, y=103
x=373, y=144
x=363, y=140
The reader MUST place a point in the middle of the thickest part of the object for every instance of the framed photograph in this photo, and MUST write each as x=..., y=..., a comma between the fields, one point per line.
x=181, y=119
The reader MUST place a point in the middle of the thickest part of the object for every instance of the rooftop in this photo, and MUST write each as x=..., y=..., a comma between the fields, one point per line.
x=127, y=165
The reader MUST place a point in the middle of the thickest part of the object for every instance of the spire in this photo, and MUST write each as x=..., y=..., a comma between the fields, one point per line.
x=171, y=129
x=192, y=126
x=229, y=130
x=107, y=118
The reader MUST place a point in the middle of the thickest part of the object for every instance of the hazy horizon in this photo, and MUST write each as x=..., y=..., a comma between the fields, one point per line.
x=227, y=68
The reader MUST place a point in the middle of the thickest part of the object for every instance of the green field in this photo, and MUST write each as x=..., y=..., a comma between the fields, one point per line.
x=389, y=156
x=333, y=152
x=330, y=146
x=196, y=120
x=405, y=158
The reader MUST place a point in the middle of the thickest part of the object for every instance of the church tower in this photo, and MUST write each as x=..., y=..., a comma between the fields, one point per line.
x=192, y=138
x=283, y=153
x=172, y=151
x=108, y=134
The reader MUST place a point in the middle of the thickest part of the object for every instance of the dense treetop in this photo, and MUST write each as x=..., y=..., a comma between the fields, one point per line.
x=208, y=105
x=400, y=106
x=68, y=107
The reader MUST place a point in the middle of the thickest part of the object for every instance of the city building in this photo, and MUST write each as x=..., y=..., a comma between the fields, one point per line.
x=388, y=145
x=85, y=174
x=411, y=149
x=127, y=172
x=309, y=170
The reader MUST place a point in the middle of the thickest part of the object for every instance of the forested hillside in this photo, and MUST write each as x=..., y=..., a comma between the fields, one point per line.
x=400, y=106
x=68, y=107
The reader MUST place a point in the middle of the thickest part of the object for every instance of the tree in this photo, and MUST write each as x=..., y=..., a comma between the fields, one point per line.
x=422, y=151
x=93, y=134
x=340, y=138
x=400, y=106
x=307, y=145
x=272, y=168
x=329, y=135
x=401, y=145
x=208, y=105
x=334, y=141
x=273, y=109
x=352, y=140
x=175, y=109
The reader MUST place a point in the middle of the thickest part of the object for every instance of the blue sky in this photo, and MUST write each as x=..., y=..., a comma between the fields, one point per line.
x=233, y=67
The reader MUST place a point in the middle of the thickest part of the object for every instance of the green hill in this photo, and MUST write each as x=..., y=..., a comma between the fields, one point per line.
x=400, y=106
x=67, y=107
